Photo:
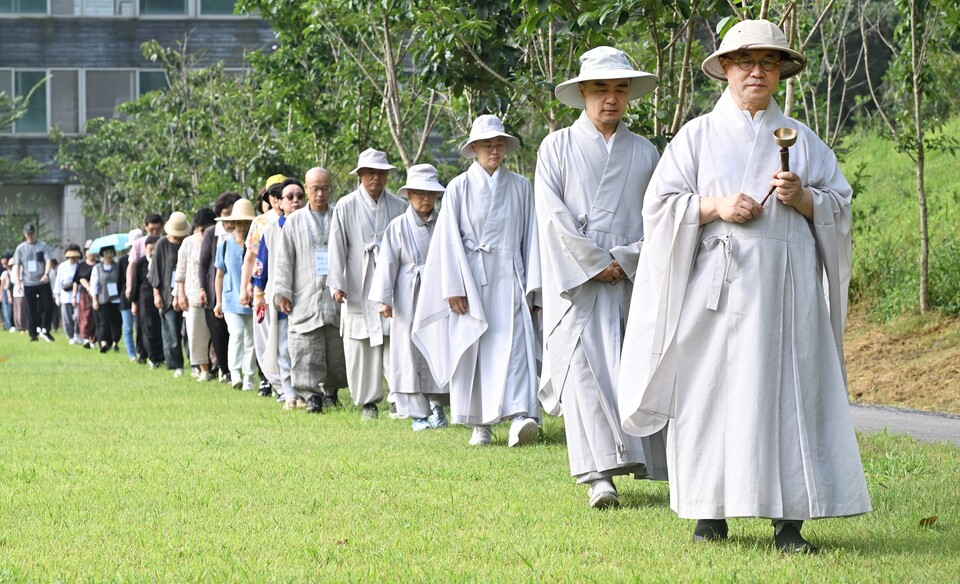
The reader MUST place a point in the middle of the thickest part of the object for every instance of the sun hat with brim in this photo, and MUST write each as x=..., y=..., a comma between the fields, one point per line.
x=177, y=225
x=421, y=177
x=242, y=211
x=133, y=235
x=752, y=35
x=374, y=160
x=603, y=63
x=486, y=127
x=274, y=180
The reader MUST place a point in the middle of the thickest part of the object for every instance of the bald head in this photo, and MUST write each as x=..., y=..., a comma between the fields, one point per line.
x=318, y=184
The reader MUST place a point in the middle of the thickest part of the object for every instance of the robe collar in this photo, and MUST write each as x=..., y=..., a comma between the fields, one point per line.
x=756, y=170
x=610, y=169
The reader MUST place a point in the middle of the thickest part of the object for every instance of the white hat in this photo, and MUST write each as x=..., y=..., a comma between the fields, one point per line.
x=177, y=225
x=373, y=159
x=484, y=128
x=751, y=35
x=134, y=234
x=242, y=211
x=605, y=63
x=421, y=177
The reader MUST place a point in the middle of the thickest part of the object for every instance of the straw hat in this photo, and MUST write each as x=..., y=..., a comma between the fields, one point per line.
x=421, y=177
x=373, y=159
x=177, y=225
x=605, y=63
x=750, y=35
x=484, y=128
x=242, y=211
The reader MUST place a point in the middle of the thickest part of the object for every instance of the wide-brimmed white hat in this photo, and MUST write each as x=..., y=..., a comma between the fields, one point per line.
x=421, y=177
x=373, y=159
x=134, y=234
x=750, y=35
x=242, y=211
x=485, y=127
x=177, y=225
x=605, y=63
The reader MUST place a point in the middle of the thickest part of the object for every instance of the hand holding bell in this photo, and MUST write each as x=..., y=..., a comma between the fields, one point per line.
x=784, y=138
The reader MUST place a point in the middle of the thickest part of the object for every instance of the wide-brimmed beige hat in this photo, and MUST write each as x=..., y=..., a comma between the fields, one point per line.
x=242, y=211
x=750, y=35
x=421, y=177
x=373, y=159
x=485, y=127
x=177, y=225
x=603, y=63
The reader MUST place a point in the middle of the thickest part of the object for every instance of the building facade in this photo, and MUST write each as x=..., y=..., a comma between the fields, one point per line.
x=88, y=51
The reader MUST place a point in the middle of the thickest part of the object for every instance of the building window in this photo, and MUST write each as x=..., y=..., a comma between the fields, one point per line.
x=152, y=81
x=106, y=90
x=23, y=6
x=35, y=118
x=163, y=7
x=92, y=7
x=217, y=7
x=65, y=101
x=6, y=88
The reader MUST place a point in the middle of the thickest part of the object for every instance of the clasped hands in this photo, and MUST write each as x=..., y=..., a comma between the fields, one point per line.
x=740, y=207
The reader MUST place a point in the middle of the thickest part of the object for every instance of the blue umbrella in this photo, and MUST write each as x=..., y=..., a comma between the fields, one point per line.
x=115, y=240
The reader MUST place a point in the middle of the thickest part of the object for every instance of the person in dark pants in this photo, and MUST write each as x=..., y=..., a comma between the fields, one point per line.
x=219, y=337
x=31, y=270
x=143, y=307
x=105, y=288
x=162, y=272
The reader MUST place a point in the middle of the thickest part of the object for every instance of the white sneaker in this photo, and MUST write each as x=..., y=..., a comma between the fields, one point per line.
x=482, y=436
x=603, y=494
x=194, y=373
x=247, y=383
x=523, y=431
x=178, y=372
x=203, y=376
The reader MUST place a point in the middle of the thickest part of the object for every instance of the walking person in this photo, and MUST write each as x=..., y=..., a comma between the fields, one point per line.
x=63, y=292
x=6, y=293
x=163, y=279
x=31, y=264
x=188, y=294
x=735, y=337
x=105, y=292
x=126, y=314
x=86, y=317
x=481, y=284
x=143, y=307
x=229, y=263
x=207, y=275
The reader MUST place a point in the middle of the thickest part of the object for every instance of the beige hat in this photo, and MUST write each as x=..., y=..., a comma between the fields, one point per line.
x=132, y=236
x=242, y=211
x=177, y=225
x=373, y=159
x=421, y=177
x=484, y=128
x=605, y=63
x=750, y=35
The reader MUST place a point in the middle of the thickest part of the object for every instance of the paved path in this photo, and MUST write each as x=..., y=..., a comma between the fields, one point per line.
x=925, y=426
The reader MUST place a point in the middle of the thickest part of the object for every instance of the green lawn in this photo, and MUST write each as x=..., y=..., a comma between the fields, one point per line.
x=112, y=472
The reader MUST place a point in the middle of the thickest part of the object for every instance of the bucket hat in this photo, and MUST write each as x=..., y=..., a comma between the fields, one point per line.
x=177, y=225
x=373, y=159
x=274, y=180
x=485, y=127
x=605, y=63
x=242, y=211
x=421, y=177
x=750, y=35
x=132, y=236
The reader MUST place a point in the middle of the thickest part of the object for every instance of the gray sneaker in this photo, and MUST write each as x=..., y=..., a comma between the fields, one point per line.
x=369, y=412
x=438, y=419
x=603, y=494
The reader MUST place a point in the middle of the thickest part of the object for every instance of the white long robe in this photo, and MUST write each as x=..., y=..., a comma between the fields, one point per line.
x=396, y=282
x=484, y=248
x=589, y=206
x=738, y=342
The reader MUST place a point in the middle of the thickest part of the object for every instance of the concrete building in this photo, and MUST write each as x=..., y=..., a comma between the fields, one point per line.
x=89, y=51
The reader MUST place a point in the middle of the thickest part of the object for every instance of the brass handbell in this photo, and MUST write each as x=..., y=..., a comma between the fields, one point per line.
x=784, y=138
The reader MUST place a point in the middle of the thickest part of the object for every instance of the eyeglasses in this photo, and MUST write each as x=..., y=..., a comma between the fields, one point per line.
x=747, y=63
x=298, y=196
x=322, y=189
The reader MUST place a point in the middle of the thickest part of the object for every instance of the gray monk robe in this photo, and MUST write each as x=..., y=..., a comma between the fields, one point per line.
x=485, y=248
x=736, y=333
x=396, y=282
x=300, y=275
x=589, y=208
x=355, y=236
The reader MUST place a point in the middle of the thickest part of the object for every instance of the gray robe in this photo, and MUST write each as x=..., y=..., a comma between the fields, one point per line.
x=589, y=209
x=736, y=333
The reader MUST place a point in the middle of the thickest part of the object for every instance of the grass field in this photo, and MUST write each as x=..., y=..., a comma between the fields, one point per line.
x=112, y=472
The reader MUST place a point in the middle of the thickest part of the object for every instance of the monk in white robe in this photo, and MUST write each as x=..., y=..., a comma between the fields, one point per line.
x=474, y=320
x=396, y=286
x=738, y=340
x=589, y=193
x=359, y=221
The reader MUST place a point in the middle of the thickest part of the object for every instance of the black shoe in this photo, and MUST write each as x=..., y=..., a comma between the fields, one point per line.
x=104, y=348
x=330, y=401
x=789, y=541
x=266, y=390
x=34, y=339
x=314, y=404
x=710, y=530
x=46, y=336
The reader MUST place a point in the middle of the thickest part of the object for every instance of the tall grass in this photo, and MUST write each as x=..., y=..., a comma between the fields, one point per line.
x=886, y=237
x=113, y=473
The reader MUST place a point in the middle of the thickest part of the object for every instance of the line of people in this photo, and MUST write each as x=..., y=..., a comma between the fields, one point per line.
x=674, y=321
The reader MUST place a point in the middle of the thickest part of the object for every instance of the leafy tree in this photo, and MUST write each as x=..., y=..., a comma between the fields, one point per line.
x=11, y=110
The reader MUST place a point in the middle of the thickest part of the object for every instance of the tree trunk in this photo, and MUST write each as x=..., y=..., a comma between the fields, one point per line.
x=920, y=161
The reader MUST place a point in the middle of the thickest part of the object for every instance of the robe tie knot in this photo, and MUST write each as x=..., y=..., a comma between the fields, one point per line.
x=477, y=260
x=721, y=265
x=582, y=224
